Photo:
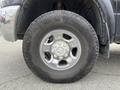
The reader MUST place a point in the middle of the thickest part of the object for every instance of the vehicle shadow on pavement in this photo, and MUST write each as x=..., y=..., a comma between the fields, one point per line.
x=109, y=66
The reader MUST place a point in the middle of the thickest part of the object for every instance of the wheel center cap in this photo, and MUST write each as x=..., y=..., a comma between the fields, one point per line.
x=60, y=49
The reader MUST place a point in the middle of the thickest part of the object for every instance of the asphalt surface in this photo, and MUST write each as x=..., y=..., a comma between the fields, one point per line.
x=15, y=75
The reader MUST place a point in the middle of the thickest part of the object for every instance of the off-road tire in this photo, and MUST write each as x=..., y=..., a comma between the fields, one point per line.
x=71, y=22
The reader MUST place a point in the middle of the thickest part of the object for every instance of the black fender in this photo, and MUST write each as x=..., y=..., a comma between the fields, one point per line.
x=107, y=12
x=108, y=21
x=105, y=9
x=108, y=31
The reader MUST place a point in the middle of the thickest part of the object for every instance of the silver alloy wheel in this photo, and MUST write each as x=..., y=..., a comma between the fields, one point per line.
x=60, y=49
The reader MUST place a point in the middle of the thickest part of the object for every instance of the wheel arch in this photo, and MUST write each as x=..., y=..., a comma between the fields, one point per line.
x=104, y=12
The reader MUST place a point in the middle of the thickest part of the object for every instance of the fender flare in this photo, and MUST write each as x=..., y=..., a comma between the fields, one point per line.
x=107, y=14
x=108, y=25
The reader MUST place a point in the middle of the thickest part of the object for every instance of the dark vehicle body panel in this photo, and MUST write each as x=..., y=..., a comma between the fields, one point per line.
x=117, y=15
x=104, y=5
x=110, y=14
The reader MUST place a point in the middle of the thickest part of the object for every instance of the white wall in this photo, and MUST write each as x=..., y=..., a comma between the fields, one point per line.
x=1, y=2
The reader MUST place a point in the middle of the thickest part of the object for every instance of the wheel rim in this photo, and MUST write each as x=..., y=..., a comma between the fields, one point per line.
x=60, y=49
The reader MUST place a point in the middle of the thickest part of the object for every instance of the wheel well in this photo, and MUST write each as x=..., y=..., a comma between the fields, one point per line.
x=31, y=9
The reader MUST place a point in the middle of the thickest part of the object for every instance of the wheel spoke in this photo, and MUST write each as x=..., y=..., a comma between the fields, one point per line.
x=52, y=60
x=56, y=62
x=46, y=48
x=57, y=35
x=72, y=57
x=72, y=43
x=69, y=60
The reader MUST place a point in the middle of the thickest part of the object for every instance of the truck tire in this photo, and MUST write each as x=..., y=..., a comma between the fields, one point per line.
x=60, y=47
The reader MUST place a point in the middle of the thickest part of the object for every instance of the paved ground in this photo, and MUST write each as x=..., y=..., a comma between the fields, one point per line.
x=14, y=74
